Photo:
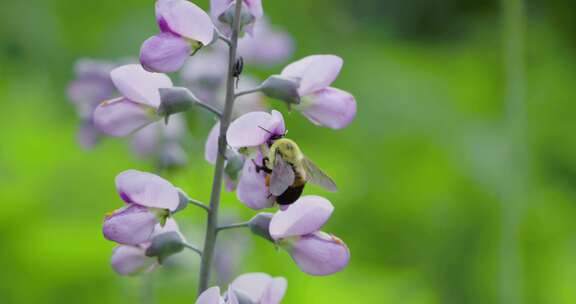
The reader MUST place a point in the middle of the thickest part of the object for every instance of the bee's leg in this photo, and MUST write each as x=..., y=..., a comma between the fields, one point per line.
x=265, y=161
x=258, y=168
x=261, y=168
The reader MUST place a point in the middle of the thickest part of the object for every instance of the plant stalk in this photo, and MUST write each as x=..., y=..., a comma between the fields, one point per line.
x=212, y=223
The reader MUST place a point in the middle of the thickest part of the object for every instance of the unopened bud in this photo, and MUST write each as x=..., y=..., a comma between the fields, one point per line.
x=246, y=16
x=282, y=88
x=260, y=225
x=234, y=163
x=183, y=201
x=242, y=297
x=175, y=100
x=165, y=245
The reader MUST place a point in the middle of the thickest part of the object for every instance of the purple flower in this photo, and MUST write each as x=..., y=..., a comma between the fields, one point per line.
x=91, y=86
x=162, y=141
x=297, y=230
x=131, y=260
x=258, y=288
x=211, y=146
x=211, y=296
x=148, y=198
x=321, y=104
x=184, y=28
x=261, y=287
x=244, y=104
x=255, y=128
x=252, y=190
x=222, y=12
x=234, y=159
x=139, y=102
x=252, y=130
x=131, y=225
x=267, y=46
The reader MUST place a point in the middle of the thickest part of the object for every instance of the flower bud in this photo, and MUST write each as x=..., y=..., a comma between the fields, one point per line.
x=241, y=296
x=234, y=164
x=175, y=100
x=183, y=201
x=165, y=245
x=260, y=225
x=246, y=17
x=282, y=88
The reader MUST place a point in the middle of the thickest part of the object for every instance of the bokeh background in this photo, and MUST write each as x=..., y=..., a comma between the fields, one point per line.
x=457, y=178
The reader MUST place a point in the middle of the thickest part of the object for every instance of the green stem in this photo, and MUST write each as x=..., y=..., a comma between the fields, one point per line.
x=199, y=204
x=250, y=91
x=232, y=226
x=193, y=248
x=212, y=223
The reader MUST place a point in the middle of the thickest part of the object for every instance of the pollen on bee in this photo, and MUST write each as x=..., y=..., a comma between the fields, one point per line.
x=267, y=179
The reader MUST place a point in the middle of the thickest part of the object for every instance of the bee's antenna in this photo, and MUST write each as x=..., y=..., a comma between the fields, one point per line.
x=265, y=130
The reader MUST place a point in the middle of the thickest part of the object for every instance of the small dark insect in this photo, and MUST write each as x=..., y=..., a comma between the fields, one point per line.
x=237, y=69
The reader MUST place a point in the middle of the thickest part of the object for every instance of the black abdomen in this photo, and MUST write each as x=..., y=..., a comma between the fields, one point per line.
x=290, y=195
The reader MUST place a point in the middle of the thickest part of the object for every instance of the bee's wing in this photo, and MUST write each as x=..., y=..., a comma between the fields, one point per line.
x=317, y=177
x=282, y=176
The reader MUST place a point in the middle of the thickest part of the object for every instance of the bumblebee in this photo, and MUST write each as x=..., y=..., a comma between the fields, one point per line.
x=289, y=170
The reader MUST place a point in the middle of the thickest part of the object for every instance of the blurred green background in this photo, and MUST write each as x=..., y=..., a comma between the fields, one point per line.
x=447, y=195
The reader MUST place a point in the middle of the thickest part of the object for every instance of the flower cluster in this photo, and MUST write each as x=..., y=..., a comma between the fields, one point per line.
x=128, y=115
x=247, y=145
x=143, y=221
